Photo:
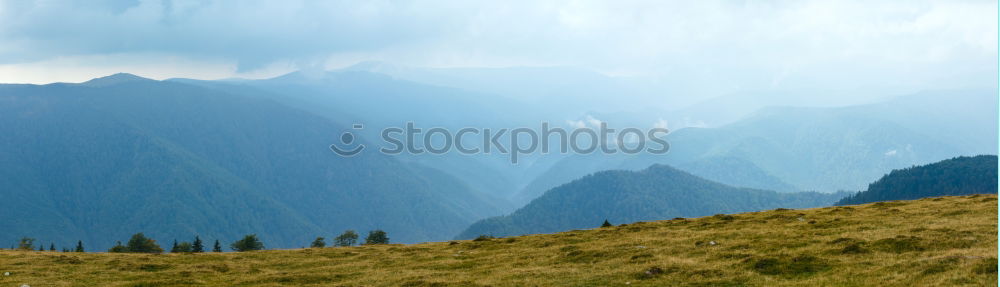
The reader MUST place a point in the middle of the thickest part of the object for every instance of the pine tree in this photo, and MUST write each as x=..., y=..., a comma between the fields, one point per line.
x=197, y=246
x=174, y=248
x=41, y=247
x=217, y=247
x=318, y=243
x=52, y=247
x=377, y=236
x=79, y=245
x=606, y=224
x=348, y=238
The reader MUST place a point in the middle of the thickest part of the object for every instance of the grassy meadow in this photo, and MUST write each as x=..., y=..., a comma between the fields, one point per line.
x=948, y=241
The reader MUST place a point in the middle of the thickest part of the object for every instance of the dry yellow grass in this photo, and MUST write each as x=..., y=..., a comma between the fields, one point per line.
x=928, y=242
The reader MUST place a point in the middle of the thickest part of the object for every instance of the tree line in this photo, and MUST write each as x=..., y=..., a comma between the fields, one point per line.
x=139, y=243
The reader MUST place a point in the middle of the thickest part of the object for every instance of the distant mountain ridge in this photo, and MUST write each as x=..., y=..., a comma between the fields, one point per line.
x=956, y=176
x=811, y=148
x=206, y=152
x=101, y=160
x=655, y=193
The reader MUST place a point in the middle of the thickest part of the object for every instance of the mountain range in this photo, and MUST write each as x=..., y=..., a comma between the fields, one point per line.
x=956, y=176
x=100, y=160
x=659, y=192
x=809, y=148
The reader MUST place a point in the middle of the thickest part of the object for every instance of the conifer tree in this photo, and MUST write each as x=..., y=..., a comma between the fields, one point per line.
x=79, y=245
x=217, y=247
x=52, y=247
x=197, y=246
x=606, y=224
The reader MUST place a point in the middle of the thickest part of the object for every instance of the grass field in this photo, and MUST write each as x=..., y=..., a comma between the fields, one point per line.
x=929, y=242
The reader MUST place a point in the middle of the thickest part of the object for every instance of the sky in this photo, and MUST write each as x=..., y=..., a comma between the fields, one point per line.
x=742, y=45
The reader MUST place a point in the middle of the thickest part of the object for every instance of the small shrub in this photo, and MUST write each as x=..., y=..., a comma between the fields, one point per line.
x=153, y=267
x=641, y=257
x=853, y=248
x=68, y=259
x=725, y=217
x=221, y=268
x=986, y=266
x=656, y=271
x=898, y=244
x=802, y=265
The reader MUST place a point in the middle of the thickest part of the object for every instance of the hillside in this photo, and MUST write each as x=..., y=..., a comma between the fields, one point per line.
x=102, y=160
x=814, y=148
x=658, y=192
x=378, y=101
x=957, y=176
x=731, y=171
x=949, y=241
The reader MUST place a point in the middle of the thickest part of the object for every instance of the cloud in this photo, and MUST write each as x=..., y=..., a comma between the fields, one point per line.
x=594, y=122
x=730, y=44
x=576, y=124
x=660, y=124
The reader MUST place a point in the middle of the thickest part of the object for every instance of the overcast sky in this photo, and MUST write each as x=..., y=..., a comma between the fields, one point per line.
x=746, y=44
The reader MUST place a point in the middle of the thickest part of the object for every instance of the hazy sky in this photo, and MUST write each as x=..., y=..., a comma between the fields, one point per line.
x=744, y=44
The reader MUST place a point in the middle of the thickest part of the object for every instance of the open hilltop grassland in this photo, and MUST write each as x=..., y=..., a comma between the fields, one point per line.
x=928, y=242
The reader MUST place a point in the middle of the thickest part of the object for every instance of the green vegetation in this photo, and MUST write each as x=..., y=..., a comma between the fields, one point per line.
x=139, y=243
x=182, y=247
x=248, y=243
x=654, y=193
x=26, y=243
x=948, y=241
x=377, y=237
x=348, y=238
x=197, y=245
x=320, y=242
x=957, y=176
x=100, y=161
